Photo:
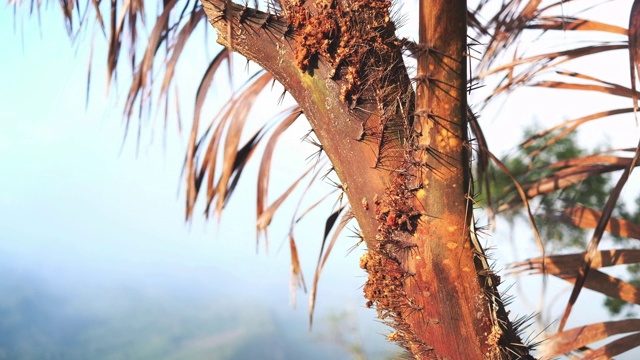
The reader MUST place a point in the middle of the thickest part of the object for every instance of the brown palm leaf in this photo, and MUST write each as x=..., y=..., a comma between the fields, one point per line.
x=597, y=236
x=511, y=21
x=586, y=218
x=577, y=338
x=567, y=23
x=634, y=48
x=324, y=253
x=570, y=172
x=565, y=128
x=264, y=219
x=232, y=120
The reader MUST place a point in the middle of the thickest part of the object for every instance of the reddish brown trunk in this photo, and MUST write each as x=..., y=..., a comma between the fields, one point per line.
x=454, y=320
x=405, y=171
x=440, y=311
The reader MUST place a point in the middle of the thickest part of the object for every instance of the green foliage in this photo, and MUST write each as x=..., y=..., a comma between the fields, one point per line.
x=530, y=165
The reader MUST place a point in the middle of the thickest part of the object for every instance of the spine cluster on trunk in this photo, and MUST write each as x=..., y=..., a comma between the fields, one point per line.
x=346, y=34
x=384, y=262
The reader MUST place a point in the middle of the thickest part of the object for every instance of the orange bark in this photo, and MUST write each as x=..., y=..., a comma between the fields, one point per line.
x=406, y=172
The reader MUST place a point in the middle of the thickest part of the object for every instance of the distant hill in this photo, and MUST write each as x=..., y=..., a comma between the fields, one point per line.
x=40, y=319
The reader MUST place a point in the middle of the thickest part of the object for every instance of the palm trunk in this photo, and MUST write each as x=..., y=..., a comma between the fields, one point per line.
x=402, y=157
x=453, y=316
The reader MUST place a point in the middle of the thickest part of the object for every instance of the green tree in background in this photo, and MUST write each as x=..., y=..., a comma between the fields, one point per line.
x=403, y=141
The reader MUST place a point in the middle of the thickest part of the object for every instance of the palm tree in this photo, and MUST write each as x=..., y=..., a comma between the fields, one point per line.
x=398, y=140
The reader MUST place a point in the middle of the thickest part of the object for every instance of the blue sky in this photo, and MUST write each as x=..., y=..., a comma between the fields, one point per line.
x=81, y=209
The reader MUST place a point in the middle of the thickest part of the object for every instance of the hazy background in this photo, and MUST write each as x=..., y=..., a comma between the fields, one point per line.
x=96, y=261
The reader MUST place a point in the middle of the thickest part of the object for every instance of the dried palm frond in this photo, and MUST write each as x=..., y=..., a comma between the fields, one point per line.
x=577, y=338
x=509, y=23
x=586, y=218
x=324, y=253
x=263, y=215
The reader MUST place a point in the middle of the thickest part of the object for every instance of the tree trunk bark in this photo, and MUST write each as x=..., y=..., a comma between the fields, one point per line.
x=402, y=157
x=452, y=321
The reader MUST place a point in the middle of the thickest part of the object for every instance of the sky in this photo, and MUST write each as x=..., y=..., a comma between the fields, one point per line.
x=85, y=211
x=80, y=207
